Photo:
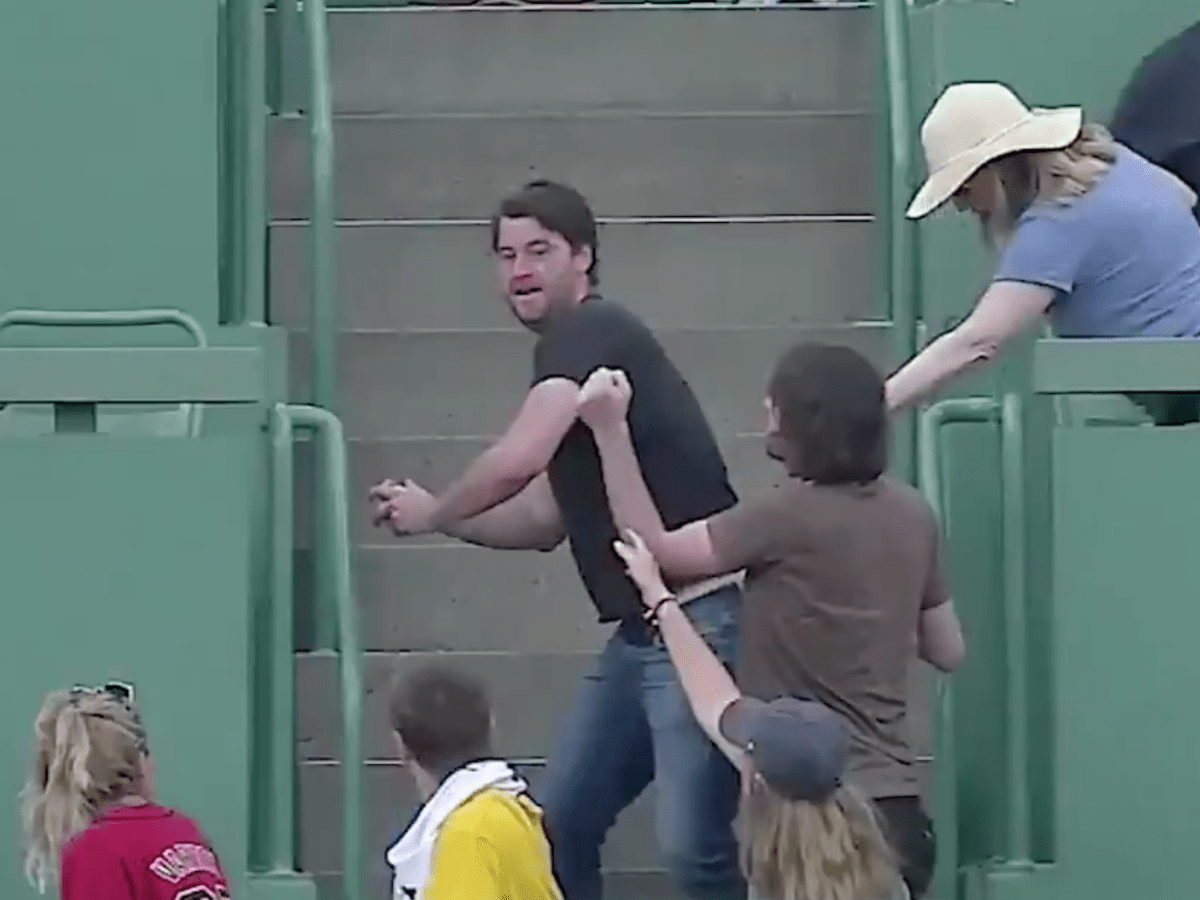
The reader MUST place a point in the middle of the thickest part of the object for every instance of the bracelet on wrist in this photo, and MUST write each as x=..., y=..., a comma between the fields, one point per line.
x=653, y=612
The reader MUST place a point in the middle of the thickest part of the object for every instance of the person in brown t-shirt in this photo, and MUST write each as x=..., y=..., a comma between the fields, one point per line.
x=843, y=581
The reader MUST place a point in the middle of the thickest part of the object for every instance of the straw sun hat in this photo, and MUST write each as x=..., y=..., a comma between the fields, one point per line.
x=976, y=122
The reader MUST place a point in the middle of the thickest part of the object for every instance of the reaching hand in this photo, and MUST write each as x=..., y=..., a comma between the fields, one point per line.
x=604, y=399
x=405, y=508
x=641, y=566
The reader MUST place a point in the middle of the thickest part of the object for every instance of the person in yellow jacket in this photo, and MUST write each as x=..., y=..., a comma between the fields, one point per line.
x=478, y=834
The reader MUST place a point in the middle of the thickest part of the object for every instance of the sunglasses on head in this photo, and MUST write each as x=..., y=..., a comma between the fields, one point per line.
x=118, y=690
x=122, y=693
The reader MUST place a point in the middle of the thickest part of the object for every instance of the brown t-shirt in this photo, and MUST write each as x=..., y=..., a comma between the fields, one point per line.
x=836, y=578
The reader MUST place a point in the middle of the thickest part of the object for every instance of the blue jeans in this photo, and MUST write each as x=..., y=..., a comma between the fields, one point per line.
x=632, y=725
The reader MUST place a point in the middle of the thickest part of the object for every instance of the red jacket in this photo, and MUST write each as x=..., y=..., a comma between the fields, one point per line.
x=142, y=853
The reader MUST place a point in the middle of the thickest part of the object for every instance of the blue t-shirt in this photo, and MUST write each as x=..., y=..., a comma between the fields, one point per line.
x=1123, y=259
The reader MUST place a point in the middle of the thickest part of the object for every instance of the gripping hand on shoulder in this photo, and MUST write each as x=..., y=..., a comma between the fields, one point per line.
x=604, y=399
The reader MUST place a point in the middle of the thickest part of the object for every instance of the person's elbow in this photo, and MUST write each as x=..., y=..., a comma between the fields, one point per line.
x=687, y=553
x=948, y=657
x=550, y=538
x=940, y=638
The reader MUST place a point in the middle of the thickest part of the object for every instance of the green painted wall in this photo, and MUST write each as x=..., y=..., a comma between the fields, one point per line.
x=110, y=157
x=1052, y=52
x=147, y=581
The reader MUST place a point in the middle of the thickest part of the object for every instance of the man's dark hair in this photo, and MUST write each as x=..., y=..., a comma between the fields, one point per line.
x=833, y=414
x=558, y=208
x=443, y=717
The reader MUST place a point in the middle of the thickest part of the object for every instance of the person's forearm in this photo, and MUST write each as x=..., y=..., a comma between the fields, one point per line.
x=526, y=522
x=947, y=356
x=489, y=481
x=628, y=497
x=706, y=682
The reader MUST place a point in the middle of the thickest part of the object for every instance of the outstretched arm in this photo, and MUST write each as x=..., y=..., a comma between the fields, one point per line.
x=1006, y=309
x=685, y=552
x=529, y=521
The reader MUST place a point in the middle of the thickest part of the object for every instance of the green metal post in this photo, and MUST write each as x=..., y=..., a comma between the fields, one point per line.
x=945, y=412
x=252, y=165
x=322, y=231
x=1012, y=486
x=323, y=316
x=291, y=57
x=282, y=823
x=901, y=250
x=333, y=543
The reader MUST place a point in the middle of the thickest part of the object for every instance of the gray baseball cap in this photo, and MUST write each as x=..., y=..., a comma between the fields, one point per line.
x=799, y=747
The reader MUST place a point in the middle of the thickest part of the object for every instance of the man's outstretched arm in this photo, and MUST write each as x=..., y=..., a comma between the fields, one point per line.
x=528, y=521
x=519, y=456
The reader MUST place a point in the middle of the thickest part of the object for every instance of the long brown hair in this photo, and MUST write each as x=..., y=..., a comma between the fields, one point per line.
x=794, y=850
x=1053, y=176
x=91, y=751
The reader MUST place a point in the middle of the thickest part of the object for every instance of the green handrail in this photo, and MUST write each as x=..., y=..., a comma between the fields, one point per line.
x=244, y=136
x=322, y=230
x=281, y=824
x=253, y=107
x=945, y=412
x=115, y=318
x=901, y=264
x=1008, y=413
x=1012, y=485
x=118, y=318
x=333, y=542
x=323, y=312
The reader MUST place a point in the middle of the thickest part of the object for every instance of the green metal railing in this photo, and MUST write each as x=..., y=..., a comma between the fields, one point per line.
x=109, y=318
x=1007, y=412
x=324, y=313
x=1012, y=468
x=323, y=307
x=900, y=262
x=332, y=542
x=244, y=134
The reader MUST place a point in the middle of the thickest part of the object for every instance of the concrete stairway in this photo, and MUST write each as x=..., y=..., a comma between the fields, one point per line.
x=731, y=153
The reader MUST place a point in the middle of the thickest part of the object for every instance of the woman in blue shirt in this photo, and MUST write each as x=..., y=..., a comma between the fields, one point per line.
x=1087, y=233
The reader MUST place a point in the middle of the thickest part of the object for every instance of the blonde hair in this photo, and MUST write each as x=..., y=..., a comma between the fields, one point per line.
x=1047, y=176
x=794, y=850
x=90, y=752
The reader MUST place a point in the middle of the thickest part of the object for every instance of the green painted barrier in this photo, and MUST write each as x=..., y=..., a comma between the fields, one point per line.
x=1007, y=414
x=1035, y=48
x=1116, y=619
x=128, y=559
x=26, y=420
x=112, y=163
x=335, y=539
x=136, y=558
x=148, y=580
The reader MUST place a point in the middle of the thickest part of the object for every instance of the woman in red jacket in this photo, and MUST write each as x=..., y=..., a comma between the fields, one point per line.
x=89, y=813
